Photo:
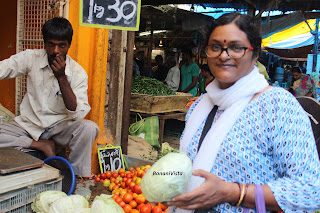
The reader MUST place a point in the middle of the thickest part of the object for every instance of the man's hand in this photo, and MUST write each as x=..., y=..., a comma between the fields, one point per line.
x=58, y=66
x=211, y=193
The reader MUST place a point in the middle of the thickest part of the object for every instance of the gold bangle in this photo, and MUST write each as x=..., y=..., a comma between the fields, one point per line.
x=242, y=193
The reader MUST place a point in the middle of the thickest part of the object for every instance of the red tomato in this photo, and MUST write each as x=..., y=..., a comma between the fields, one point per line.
x=97, y=179
x=156, y=209
x=122, y=204
x=128, y=181
x=103, y=176
x=115, y=174
x=127, y=208
x=146, y=208
x=127, y=197
x=109, y=174
x=131, y=185
x=129, y=175
x=163, y=207
x=133, y=204
x=134, y=211
x=139, y=206
x=123, y=185
x=122, y=174
x=122, y=170
x=140, y=198
x=137, y=189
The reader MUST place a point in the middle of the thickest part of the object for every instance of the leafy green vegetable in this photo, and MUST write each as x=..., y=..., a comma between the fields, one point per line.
x=105, y=204
x=69, y=204
x=43, y=201
x=150, y=86
x=167, y=178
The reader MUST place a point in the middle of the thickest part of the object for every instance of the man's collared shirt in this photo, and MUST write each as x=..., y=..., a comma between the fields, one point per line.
x=43, y=106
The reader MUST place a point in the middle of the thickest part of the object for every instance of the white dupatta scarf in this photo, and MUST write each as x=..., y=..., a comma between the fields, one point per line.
x=233, y=101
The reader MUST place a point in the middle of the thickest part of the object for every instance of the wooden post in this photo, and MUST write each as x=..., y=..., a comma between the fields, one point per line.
x=127, y=92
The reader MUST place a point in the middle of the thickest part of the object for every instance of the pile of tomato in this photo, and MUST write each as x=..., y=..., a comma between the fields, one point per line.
x=125, y=187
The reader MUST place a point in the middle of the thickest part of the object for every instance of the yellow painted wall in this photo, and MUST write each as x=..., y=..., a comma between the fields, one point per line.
x=90, y=49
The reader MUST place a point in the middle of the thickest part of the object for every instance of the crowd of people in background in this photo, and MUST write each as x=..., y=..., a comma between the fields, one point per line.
x=183, y=74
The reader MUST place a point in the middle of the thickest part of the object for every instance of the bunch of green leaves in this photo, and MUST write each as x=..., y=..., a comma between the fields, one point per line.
x=166, y=148
x=150, y=86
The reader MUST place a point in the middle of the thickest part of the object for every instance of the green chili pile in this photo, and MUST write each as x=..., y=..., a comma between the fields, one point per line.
x=150, y=86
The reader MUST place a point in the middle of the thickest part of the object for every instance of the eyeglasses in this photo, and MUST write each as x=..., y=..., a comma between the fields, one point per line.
x=214, y=51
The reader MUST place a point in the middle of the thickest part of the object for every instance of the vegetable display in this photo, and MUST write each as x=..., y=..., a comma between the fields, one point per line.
x=167, y=178
x=150, y=86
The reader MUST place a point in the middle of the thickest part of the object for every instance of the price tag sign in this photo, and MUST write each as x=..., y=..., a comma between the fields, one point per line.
x=110, y=159
x=112, y=14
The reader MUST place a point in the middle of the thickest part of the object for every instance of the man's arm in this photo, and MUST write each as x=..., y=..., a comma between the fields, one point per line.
x=70, y=100
x=192, y=85
x=16, y=65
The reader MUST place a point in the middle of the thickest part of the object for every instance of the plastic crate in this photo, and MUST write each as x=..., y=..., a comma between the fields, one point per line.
x=19, y=201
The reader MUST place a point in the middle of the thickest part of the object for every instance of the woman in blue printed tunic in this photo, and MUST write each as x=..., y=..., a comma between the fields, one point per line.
x=260, y=135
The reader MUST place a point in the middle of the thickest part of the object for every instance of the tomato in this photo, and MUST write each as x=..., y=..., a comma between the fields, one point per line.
x=123, y=185
x=134, y=211
x=133, y=204
x=122, y=204
x=122, y=174
x=112, y=179
x=140, y=199
x=108, y=174
x=163, y=207
x=115, y=174
x=97, y=179
x=146, y=208
x=114, y=197
x=106, y=183
x=131, y=169
x=134, y=195
x=118, y=199
x=156, y=209
x=128, y=181
x=122, y=170
x=137, y=189
x=111, y=186
x=115, y=187
x=139, y=206
x=138, y=180
x=131, y=185
x=127, y=208
x=103, y=176
x=127, y=197
x=142, y=174
x=129, y=175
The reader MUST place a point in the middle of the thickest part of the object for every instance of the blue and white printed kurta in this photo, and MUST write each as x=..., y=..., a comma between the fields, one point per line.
x=271, y=143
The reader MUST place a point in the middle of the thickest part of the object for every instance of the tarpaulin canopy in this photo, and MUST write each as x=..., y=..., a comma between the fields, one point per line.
x=294, y=42
x=301, y=28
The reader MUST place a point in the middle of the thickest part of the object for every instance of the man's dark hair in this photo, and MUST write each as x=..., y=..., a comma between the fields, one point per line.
x=246, y=24
x=296, y=69
x=187, y=52
x=158, y=58
x=57, y=28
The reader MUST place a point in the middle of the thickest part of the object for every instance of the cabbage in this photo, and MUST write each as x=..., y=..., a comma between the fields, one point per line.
x=105, y=204
x=42, y=202
x=167, y=178
x=70, y=204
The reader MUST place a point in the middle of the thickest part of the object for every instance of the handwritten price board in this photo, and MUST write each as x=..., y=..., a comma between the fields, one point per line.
x=113, y=14
x=110, y=159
